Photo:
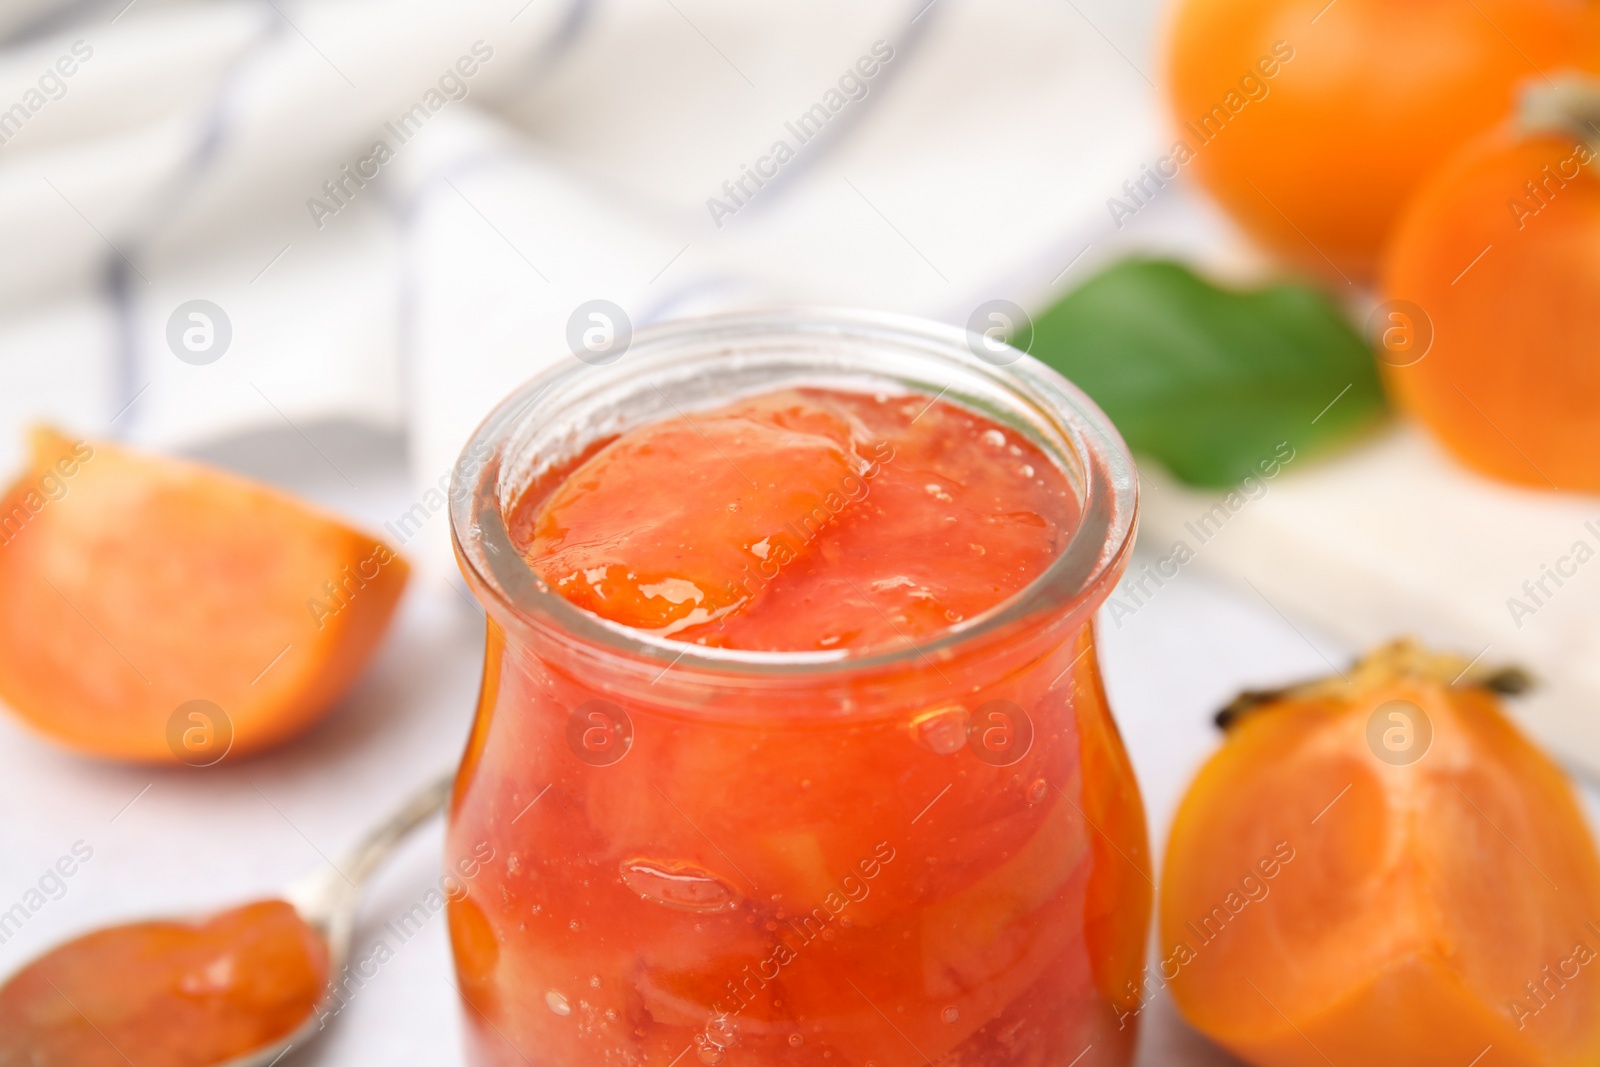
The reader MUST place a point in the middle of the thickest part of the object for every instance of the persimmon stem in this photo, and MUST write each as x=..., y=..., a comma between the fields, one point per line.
x=1398, y=659
x=1570, y=104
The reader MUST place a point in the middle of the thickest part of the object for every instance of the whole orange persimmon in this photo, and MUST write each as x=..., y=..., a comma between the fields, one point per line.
x=1498, y=257
x=1312, y=121
x=1379, y=869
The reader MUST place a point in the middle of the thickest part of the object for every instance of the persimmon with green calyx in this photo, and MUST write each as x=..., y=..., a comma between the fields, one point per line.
x=1312, y=122
x=156, y=610
x=1379, y=868
x=1497, y=263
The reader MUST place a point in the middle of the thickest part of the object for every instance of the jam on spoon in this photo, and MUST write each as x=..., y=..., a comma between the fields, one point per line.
x=237, y=988
x=166, y=993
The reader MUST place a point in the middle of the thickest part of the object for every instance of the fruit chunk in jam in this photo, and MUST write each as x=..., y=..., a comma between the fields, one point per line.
x=802, y=519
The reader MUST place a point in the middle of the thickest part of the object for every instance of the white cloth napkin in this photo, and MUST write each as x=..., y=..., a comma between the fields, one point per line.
x=535, y=155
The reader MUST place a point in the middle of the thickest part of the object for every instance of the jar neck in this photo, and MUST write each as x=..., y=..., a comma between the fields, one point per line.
x=689, y=365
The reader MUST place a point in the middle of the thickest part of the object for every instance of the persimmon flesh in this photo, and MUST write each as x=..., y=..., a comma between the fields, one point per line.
x=1312, y=122
x=1433, y=906
x=134, y=587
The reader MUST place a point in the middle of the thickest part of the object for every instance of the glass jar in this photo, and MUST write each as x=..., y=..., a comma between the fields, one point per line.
x=871, y=857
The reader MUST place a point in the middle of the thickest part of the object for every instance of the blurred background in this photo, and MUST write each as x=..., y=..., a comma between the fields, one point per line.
x=381, y=217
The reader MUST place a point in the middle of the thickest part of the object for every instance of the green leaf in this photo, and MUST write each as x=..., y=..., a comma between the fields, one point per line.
x=1207, y=380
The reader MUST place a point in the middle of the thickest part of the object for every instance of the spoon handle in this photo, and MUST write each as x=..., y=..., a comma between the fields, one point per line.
x=360, y=861
x=326, y=897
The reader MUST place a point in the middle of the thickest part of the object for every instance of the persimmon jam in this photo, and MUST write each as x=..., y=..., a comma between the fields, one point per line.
x=802, y=520
x=166, y=994
x=944, y=864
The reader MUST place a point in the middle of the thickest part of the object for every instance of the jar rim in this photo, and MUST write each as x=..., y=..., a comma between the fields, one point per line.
x=1075, y=582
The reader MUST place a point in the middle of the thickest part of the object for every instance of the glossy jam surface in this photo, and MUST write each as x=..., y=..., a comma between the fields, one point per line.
x=944, y=864
x=802, y=519
x=165, y=994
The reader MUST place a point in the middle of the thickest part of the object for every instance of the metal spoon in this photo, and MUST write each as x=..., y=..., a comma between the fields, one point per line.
x=326, y=899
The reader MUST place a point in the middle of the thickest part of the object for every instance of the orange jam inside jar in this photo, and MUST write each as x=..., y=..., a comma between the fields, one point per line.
x=792, y=745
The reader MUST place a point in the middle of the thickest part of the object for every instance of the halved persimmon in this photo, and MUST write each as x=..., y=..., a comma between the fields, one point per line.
x=1379, y=868
x=1498, y=257
x=1312, y=121
x=157, y=610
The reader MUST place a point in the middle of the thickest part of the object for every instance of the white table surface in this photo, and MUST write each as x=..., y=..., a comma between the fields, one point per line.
x=171, y=841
